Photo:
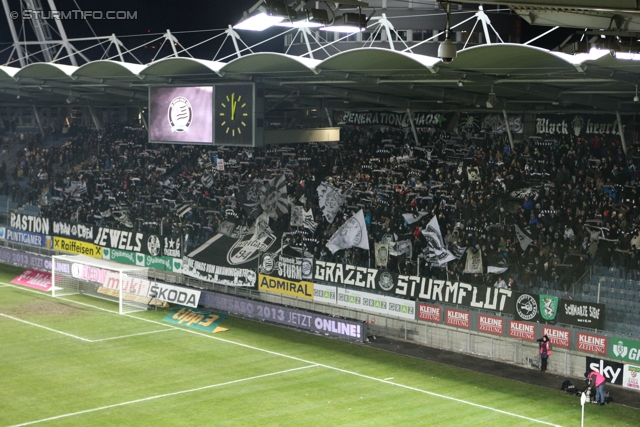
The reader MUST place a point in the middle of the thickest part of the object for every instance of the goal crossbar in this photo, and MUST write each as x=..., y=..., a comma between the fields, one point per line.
x=77, y=274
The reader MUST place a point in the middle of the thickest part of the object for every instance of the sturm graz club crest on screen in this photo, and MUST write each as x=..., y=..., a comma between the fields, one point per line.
x=180, y=114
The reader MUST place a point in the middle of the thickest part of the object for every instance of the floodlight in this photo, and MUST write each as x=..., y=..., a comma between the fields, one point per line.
x=265, y=14
x=307, y=18
x=348, y=23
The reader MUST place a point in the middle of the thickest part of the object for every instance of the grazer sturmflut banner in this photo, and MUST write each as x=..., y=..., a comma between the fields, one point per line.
x=415, y=287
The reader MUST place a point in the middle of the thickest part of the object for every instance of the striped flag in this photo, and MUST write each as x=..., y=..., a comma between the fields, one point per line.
x=183, y=209
x=309, y=223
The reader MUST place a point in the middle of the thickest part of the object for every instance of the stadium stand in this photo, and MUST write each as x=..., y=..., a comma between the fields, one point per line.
x=577, y=200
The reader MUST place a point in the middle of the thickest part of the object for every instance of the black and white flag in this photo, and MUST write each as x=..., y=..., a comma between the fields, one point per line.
x=272, y=197
x=297, y=216
x=436, y=252
x=413, y=216
x=524, y=240
x=402, y=247
x=183, y=209
x=309, y=223
x=381, y=254
x=352, y=234
x=474, y=262
x=473, y=173
x=458, y=251
x=331, y=200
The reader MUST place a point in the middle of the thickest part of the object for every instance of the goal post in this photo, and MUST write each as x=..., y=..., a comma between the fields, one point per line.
x=128, y=286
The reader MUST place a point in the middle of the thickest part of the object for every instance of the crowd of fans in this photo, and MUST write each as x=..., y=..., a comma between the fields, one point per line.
x=575, y=198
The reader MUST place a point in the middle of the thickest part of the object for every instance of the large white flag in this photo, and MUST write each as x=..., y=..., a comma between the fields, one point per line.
x=524, y=240
x=436, y=251
x=352, y=234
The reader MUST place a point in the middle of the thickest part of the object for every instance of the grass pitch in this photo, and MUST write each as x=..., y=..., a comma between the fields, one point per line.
x=76, y=362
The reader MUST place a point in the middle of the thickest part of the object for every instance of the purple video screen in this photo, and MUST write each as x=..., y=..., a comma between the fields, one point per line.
x=182, y=115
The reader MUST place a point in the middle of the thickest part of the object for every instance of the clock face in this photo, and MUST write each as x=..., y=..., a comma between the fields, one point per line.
x=234, y=114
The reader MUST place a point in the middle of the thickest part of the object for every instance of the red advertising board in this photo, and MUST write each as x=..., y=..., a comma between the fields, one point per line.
x=522, y=330
x=592, y=343
x=490, y=324
x=557, y=336
x=430, y=313
x=34, y=279
x=458, y=318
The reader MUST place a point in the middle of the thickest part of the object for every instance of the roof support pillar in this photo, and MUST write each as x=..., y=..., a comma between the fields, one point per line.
x=37, y=116
x=94, y=118
x=413, y=126
x=621, y=129
x=506, y=121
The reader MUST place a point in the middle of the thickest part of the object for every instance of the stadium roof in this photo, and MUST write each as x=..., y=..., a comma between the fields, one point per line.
x=522, y=77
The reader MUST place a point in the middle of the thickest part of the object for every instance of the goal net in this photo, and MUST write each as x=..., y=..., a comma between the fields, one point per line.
x=128, y=286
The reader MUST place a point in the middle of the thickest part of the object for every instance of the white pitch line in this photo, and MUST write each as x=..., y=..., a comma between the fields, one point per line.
x=336, y=369
x=344, y=371
x=160, y=396
x=44, y=327
x=133, y=335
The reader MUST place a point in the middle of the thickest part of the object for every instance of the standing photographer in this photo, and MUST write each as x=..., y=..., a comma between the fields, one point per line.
x=545, y=352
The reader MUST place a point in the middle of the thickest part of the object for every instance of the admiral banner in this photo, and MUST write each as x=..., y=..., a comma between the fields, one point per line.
x=430, y=313
x=578, y=313
x=77, y=247
x=589, y=343
x=286, y=267
x=30, y=223
x=325, y=294
x=624, y=349
x=398, y=119
x=229, y=276
x=28, y=238
x=378, y=304
x=285, y=287
x=612, y=371
x=490, y=324
x=458, y=318
x=522, y=330
x=581, y=125
x=336, y=327
x=557, y=337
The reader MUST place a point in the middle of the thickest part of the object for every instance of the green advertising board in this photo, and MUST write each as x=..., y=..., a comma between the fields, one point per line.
x=623, y=349
x=132, y=258
x=196, y=318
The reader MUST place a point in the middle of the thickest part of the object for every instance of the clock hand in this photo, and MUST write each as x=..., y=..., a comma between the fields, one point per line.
x=233, y=106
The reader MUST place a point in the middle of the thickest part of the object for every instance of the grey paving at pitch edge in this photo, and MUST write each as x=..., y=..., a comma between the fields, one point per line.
x=620, y=395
